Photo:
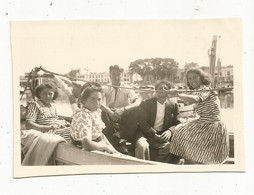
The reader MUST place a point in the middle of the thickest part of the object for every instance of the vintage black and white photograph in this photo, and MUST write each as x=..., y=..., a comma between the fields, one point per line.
x=120, y=96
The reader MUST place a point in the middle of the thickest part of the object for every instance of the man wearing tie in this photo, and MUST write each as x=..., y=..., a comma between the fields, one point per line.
x=124, y=102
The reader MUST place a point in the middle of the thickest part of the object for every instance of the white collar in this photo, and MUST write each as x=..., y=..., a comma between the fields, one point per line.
x=119, y=88
x=163, y=103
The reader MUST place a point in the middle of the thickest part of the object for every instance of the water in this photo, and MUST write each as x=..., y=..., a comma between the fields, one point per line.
x=227, y=109
x=227, y=115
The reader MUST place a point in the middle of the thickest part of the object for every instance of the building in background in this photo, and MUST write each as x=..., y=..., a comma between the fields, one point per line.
x=81, y=73
x=100, y=77
x=223, y=74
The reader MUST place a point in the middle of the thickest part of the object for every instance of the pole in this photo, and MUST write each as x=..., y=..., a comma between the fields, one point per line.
x=212, y=57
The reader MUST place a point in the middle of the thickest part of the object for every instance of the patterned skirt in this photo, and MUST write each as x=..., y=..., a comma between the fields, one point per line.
x=202, y=142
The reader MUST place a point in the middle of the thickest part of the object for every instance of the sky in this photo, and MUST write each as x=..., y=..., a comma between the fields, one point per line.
x=60, y=46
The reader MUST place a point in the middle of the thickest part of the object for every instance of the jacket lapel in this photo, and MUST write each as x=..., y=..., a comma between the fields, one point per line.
x=153, y=110
x=167, y=116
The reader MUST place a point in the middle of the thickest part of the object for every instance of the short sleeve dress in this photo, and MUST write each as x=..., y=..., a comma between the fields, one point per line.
x=204, y=140
x=40, y=114
x=87, y=125
x=46, y=115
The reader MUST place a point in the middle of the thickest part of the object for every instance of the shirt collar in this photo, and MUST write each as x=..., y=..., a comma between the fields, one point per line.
x=163, y=103
x=112, y=88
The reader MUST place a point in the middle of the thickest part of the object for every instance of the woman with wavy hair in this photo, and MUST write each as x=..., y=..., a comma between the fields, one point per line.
x=204, y=140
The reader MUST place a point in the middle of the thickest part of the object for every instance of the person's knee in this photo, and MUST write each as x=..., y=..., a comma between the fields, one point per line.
x=142, y=149
x=142, y=144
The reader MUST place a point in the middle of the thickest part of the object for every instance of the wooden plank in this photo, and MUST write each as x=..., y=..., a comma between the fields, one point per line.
x=231, y=145
x=68, y=154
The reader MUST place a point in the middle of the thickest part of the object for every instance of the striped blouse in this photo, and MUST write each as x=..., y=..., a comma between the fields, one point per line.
x=208, y=107
x=41, y=114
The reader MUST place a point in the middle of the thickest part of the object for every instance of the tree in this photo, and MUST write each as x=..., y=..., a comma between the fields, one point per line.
x=157, y=68
x=137, y=67
x=73, y=74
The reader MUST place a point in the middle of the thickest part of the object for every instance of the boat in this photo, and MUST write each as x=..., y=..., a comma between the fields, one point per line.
x=69, y=154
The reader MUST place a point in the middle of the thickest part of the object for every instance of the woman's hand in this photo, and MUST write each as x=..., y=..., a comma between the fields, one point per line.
x=54, y=126
x=114, y=151
x=109, y=149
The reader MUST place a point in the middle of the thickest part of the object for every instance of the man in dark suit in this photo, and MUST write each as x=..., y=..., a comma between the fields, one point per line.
x=158, y=117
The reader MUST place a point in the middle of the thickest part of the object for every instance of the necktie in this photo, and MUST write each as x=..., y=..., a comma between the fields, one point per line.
x=116, y=90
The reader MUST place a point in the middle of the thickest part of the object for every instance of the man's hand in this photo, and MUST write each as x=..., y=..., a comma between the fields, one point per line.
x=117, y=114
x=166, y=135
x=158, y=138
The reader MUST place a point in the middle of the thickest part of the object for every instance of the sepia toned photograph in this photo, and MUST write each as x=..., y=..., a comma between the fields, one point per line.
x=127, y=96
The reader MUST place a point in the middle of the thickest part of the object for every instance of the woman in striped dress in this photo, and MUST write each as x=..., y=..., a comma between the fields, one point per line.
x=204, y=140
x=41, y=114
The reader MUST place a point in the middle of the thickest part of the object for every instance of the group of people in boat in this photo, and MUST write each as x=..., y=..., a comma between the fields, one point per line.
x=106, y=117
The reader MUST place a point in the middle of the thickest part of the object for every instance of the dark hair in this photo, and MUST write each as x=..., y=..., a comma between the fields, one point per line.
x=89, y=88
x=167, y=83
x=204, y=77
x=115, y=67
x=44, y=86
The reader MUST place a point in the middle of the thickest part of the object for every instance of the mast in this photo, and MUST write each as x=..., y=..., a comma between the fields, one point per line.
x=218, y=73
x=212, y=58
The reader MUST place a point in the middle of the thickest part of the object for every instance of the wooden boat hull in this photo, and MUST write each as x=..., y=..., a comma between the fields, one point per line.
x=67, y=154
